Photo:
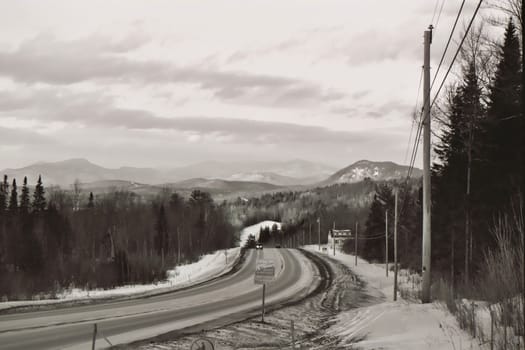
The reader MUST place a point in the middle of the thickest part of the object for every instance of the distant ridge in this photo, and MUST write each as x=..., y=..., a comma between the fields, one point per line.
x=378, y=171
x=281, y=173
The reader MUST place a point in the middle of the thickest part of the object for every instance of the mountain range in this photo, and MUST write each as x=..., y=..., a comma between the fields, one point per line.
x=218, y=177
x=66, y=172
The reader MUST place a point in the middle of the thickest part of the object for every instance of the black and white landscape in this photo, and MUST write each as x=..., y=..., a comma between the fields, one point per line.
x=274, y=174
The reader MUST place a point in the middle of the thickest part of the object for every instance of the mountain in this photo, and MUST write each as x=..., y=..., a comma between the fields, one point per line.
x=292, y=172
x=368, y=169
x=223, y=186
x=271, y=178
x=65, y=173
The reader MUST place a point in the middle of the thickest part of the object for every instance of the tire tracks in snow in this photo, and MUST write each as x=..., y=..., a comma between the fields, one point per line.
x=338, y=289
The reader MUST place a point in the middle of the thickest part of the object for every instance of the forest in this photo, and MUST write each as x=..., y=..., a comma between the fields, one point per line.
x=54, y=238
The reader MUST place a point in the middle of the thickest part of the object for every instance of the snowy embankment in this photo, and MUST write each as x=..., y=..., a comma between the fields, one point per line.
x=394, y=324
x=208, y=267
x=254, y=230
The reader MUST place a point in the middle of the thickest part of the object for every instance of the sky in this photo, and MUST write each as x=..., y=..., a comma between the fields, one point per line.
x=170, y=83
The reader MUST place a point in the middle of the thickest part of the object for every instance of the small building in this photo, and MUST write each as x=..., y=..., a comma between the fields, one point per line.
x=338, y=237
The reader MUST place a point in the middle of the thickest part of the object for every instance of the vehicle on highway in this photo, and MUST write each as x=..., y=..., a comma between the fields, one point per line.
x=277, y=246
x=259, y=246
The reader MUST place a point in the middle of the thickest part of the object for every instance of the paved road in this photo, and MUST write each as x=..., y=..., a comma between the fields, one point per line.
x=125, y=321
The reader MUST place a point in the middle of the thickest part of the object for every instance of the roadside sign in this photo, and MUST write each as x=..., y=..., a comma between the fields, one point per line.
x=264, y=271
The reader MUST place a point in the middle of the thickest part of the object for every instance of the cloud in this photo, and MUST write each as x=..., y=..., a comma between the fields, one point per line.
x=94, y=109
x=21, y=137
x=45, y=59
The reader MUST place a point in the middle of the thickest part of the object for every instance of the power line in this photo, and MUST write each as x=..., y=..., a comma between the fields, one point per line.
x=435, y=9
x=457, y=52
x=448, y=43
x=439, y=15
x=414, y=119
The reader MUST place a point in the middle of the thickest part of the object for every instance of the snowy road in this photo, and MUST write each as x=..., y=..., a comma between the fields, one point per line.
x=130, y=320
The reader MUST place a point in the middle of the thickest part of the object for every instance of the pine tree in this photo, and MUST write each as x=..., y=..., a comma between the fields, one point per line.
x=503, y=129
x=24, y=198
x=4, y=188
x=13, y=199
x=91, y=202
x=39, y=201
x=457, y=175
x=161, y=226
x=374, y=235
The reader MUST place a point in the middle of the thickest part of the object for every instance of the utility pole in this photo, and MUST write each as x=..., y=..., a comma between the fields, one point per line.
x=333, y=237
x=386, y=241
x=523, y=147
x=319, y=231
x=355, y=250
x=178, y=245
x=395, y=247
x=263, y=301
x=426, y=268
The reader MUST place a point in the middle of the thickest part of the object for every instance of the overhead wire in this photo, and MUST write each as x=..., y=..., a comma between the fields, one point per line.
x=414, y=119
x=448, y=43
x=457, y=52
x=439, y=15
x=418, y=136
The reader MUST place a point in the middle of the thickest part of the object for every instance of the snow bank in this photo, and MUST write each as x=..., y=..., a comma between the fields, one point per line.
x=209, y=266
x=390, y=324
x=254, y=230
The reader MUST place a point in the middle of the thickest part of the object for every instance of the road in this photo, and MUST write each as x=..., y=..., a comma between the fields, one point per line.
x=130, y=320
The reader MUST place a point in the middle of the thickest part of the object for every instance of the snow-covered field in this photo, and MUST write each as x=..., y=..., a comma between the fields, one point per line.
x=209, y=266
x=394, y=325
x=254, y=230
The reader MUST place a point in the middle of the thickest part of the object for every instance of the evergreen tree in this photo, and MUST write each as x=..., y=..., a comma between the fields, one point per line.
x=457, y=178
x=503, y=129
x=91, y=202
x=374, y=235
x=24, y=197
x=39, y=201
x=4, y=194
x=13, y=199
x=161, y=227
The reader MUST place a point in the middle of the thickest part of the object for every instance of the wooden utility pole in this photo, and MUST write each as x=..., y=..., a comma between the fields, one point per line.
x=468, y=230
x=319, y=231
x=178, y=246
x=395, y=247
x=426, y=268
x=355, y=250
x=333, y=237
x=292, y=331
x=94, y=339
x=263, y=297
x=310, y=232
x=523, y=152
x=386, y=241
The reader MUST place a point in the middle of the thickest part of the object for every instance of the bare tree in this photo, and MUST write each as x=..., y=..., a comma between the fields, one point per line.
x=77, y=191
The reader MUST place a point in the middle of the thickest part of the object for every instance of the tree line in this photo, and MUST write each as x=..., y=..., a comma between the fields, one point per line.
x=53, y=239
x=477, y=175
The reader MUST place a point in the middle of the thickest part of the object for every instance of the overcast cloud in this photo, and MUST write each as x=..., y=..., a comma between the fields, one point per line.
x=170, y=83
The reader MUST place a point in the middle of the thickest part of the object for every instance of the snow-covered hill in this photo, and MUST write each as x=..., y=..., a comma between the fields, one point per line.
x=369, y=169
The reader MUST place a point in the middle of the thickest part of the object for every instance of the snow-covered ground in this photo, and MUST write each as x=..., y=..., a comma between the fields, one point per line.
x=209, y=266
x=254, y=230
x=394, y=325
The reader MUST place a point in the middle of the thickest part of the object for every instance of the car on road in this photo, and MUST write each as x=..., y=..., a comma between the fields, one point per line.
x=277, y=246
x=259, y=246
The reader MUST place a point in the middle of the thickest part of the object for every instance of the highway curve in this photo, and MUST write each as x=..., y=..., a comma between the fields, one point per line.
x=131, y=320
